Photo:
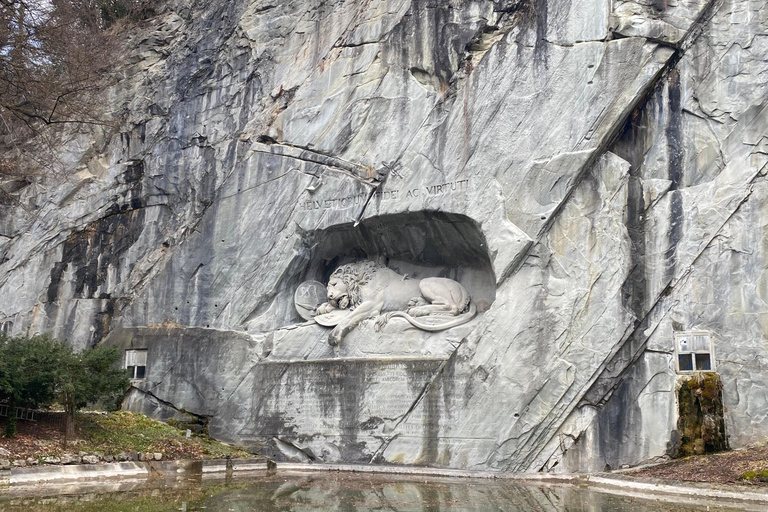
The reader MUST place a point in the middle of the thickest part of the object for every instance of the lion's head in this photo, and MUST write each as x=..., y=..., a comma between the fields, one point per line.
x=345, y=282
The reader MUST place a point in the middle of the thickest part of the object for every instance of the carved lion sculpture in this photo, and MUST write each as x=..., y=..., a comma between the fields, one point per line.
x=368, y=289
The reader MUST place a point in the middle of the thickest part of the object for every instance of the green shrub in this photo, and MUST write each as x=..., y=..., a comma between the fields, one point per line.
x=38, y=371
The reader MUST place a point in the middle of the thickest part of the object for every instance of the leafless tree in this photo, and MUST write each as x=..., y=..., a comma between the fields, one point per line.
x=56, y=56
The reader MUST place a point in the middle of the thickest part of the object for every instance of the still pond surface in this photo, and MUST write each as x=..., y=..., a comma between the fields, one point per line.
x=338, y=492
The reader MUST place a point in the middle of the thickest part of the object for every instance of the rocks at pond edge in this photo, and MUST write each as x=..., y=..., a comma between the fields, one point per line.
x=80, y=458
x=69, y=458
x=90, y=459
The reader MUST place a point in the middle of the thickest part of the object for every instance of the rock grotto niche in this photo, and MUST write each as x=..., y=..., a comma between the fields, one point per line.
x=415, y=244
x=427, y=265
x=411, y=248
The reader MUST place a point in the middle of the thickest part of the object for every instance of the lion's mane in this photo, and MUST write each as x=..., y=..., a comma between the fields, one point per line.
x=354, y=276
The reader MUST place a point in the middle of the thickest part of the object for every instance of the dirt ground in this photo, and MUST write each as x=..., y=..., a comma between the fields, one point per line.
x=723, y=468
x=34, y=437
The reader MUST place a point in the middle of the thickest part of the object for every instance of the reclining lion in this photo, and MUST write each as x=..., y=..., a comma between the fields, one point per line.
x=368, y=289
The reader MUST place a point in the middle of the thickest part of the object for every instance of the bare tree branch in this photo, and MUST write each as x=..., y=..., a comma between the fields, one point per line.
x=55, y=63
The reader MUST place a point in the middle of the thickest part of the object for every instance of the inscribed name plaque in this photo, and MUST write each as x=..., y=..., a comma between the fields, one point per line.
x=330, y=410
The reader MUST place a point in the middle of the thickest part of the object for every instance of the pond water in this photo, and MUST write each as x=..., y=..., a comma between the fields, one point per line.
x=341, y=492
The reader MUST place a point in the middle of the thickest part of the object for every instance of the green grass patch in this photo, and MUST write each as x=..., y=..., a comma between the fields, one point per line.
x=755, y=476
x=124, y=431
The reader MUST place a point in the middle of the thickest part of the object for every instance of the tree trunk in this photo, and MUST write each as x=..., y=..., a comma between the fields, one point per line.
x=70, y=428
x=10, y=426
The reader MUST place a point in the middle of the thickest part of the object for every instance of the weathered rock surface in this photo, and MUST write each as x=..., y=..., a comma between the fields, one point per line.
x=592, y=172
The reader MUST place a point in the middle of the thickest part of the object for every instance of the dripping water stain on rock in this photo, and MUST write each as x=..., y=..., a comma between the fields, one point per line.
x=676, y=154
x=632, y=147
x=92, y=259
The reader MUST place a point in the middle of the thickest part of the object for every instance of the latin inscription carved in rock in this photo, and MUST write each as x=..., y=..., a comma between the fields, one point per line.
x=342, y=203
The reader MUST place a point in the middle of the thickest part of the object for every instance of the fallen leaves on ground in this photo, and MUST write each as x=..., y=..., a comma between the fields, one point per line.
x=724, y=467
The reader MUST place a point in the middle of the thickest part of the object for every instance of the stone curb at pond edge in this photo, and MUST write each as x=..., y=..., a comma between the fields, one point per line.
x=644, y=486
x=634, y=486
x=125, y=470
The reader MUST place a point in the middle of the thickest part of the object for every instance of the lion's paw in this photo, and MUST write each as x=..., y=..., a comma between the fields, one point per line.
x=335, y=337
x=381, y=322
x=418, y=311
x=417, y=301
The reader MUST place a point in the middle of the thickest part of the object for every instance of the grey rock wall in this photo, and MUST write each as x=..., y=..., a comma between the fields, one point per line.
x=591, y=171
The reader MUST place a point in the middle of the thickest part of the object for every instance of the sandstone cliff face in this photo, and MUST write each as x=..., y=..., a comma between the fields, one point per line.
x=591, y=170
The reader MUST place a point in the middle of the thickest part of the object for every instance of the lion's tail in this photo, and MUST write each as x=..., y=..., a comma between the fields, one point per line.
x=453, y=322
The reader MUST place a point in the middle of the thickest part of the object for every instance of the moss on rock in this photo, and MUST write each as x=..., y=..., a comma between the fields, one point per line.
x=701, y=426
x=755, y=476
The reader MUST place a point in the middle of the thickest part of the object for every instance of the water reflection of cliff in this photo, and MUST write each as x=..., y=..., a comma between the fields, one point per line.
x=337, y=491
